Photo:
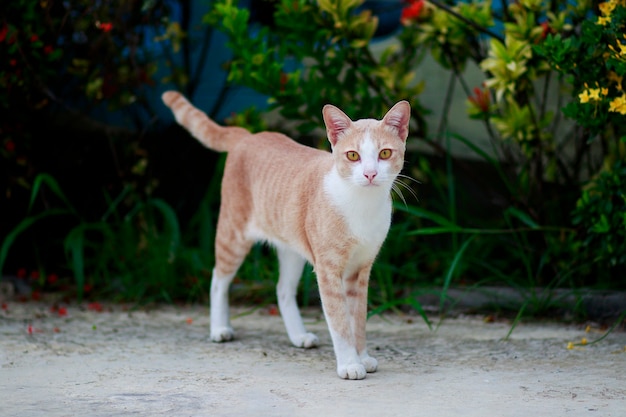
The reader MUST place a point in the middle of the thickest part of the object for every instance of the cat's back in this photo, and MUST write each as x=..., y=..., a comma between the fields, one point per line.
x=278, y=154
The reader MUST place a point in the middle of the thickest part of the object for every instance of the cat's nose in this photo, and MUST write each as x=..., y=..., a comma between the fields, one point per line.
x=370, y=175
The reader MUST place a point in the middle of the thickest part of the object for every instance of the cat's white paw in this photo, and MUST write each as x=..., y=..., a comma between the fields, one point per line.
x=371, y=364
x=306, y=340
x=222, y=334
x=351, y=371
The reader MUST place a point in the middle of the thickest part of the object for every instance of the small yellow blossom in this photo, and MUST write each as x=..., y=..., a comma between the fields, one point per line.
x=607, y=7
x=583, y=341
x=617, y=79
x=618, y=105
x=590, y=94
x=604, y=91
x=570, y=346
x=584, y=96
x=603, y=21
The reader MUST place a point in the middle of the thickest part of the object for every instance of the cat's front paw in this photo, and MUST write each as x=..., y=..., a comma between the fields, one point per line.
x=371, y=364
x=305, y=340
x=222, y=334
x=351, y=371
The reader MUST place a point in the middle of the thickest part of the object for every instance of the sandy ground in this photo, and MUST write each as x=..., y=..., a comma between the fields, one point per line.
x=160, y=362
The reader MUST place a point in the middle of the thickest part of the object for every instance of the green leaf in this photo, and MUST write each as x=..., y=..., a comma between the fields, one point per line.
x=22, y=226
x=521, y=216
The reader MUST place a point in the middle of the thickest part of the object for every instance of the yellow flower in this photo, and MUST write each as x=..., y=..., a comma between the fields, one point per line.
x=603, y=21
x=584, y=96
x=607, y=7
x=590, y=94
x=604, y=91
x=618, y=105
x=594, y=94
x=617, y=79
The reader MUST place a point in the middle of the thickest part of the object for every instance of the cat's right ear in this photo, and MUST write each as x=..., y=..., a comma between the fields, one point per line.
x=336, y=122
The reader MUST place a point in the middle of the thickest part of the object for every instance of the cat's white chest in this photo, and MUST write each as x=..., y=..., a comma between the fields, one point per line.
x=366, y=211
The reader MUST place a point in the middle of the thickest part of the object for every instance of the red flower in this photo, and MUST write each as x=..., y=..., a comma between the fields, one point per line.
x=3, y=32
x=283, y=81
x=95, y=306
x=481, y=99
x=412, y=12
x=21, y=273
x=546, y=29
x=62, y=311
x=52, y=279
x=34, y=275
x=34, y=38
x=105, y=27
x=48, y=49
x=9, y=145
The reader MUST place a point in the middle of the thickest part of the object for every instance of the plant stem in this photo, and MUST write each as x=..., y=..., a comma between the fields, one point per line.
x=467, y=21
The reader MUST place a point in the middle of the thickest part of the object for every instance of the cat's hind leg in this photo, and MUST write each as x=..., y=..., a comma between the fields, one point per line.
x=291, y=265
x=221, y=330
x=230, y=251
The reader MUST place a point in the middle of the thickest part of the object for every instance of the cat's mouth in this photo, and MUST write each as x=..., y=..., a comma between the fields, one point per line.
x=370, y=183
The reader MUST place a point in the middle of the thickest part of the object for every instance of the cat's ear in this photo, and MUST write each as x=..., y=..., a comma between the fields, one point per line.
x=398, y=118
x=336, y=122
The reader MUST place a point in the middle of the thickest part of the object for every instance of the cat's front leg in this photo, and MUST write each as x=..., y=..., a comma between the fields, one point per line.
x=356, y=287
x=337, y=313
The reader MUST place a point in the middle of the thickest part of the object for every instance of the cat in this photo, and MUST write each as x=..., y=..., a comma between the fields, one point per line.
x=332, y=209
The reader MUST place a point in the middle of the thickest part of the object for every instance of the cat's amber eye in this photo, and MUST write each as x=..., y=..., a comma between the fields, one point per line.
x=385, y=154
x=353, y=155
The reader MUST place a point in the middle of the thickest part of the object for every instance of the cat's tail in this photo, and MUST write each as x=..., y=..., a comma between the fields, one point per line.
x=209, y=133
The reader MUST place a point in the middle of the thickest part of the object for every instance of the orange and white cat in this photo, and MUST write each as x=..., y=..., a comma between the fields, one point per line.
x=330, y=209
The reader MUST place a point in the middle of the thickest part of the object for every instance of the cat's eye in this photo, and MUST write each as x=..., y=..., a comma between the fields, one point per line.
x=353, y=155
x=385, y=154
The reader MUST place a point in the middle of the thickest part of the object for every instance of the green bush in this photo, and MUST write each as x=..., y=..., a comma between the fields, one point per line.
x=601, y=215
x=313, y=52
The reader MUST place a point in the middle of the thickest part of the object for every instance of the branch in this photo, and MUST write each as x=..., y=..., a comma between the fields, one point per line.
x=465, y=20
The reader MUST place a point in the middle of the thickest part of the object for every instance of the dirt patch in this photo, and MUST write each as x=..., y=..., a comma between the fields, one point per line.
x=81, y=361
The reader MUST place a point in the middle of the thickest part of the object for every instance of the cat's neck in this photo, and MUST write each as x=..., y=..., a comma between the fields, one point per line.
x=367, y=209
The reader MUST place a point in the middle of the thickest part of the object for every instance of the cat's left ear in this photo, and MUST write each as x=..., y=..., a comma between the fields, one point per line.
x=398, y=118
x=336, y=122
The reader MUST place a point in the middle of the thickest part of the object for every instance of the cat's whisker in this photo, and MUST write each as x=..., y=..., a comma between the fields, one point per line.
x=398, y=192
x=409, y=178
x=398, y=185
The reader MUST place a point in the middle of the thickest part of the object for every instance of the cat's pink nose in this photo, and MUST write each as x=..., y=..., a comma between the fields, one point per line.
x=370, y=175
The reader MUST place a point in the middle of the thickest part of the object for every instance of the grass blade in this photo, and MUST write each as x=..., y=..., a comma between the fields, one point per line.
x=21, y=227
x=53, y=185
x=452, y=269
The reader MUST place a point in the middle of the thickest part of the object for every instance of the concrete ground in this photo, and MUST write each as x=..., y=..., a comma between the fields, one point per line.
x=95, y=360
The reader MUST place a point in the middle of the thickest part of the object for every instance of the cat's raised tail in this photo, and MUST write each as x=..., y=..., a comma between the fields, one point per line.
x=209, y=133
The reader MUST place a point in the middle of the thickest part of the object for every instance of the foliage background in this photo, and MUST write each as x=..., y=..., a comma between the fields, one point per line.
x=106, y=195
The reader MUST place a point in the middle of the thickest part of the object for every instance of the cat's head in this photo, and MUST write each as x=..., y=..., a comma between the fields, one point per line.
x=368, y=152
